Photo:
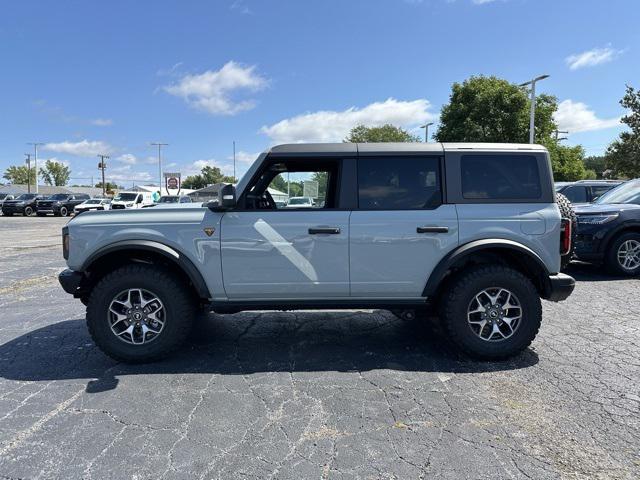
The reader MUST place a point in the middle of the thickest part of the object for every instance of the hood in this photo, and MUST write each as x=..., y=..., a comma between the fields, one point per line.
x=594, y=208
x=139, y=216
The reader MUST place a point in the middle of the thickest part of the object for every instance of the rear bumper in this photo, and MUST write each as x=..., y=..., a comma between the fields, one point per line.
x=70, y=281
x=560, y=287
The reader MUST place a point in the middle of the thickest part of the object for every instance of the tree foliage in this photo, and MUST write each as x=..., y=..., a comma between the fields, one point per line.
x=208, y=176
x=20, y=174
x=623, y=155
x=567, y=162
x=385, y=133
x=490, y=109
x=55, y=173
x=596, y=164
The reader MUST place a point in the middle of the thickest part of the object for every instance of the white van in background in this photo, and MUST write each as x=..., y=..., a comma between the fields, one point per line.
x=125, y=200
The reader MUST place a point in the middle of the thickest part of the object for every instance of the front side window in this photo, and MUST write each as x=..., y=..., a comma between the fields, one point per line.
x=125, y=197
x=576, y=193
x=500, y=177
x=399, y=183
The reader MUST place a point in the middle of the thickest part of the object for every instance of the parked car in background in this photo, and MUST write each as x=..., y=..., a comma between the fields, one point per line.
x=3, y=197
x=171, y=199
x=60, y=204
x=300, y=202
x=93, y=204
x=126, y=200
x=24, y=204
x=609, y=230
x=585, y=191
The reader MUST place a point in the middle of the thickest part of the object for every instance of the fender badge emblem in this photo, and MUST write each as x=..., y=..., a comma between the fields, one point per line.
x=209, y=231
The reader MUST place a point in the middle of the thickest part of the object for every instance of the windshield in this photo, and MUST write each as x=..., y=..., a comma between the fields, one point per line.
x=126, y=197
x=300, y=201
x=58, y=196
x=26, y=196
x=168, y=200
x=628, y=192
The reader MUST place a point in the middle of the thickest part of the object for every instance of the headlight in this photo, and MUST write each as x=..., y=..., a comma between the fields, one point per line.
x=129, y=204
x=597, y=219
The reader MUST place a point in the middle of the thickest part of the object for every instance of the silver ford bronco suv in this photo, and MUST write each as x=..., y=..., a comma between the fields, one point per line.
x=472, y=230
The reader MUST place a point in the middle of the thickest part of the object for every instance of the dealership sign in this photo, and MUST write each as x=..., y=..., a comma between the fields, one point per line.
x=172, y=181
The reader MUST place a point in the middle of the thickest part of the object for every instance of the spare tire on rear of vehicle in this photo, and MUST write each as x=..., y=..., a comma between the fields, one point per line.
x=566, y=211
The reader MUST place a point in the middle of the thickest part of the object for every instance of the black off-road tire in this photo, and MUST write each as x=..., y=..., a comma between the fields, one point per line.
x=567, y=211
x=63, y=211
x=466, y=286
x=28, y=211
x=179, y=302
x=611, y=259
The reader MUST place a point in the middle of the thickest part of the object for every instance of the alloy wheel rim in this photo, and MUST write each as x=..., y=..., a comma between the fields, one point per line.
x=136, y=316
x=494, y=314
x=629, y=254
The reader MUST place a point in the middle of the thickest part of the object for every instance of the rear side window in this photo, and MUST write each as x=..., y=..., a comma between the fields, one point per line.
x=500, y=177
x=399, y=183
x=598, y=191
x=576, y=193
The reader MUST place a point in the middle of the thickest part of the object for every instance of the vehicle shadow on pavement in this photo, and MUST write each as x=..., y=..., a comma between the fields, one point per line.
x=255, y=342
x=587, y=272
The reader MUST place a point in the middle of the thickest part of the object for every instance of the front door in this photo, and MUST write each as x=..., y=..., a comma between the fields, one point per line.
x=287, y=240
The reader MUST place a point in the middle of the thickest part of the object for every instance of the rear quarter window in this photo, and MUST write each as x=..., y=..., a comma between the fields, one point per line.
x=500, y=177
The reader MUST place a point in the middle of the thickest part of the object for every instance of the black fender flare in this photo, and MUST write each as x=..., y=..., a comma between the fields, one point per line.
x=440, y=271
x=181, y=261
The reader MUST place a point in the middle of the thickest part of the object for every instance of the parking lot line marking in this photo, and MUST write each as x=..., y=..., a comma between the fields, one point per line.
x=33, y=429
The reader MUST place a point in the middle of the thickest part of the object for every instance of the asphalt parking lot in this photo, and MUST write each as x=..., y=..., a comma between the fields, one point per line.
x=312, y=394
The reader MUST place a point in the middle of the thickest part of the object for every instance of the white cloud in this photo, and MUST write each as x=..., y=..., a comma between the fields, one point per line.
x=127, y=158
x=83, y=148
x=213, y=91
x=577, y=117
x=481, y=2
x=334, y=126
x=102, y=122
x=124, y=173
x=590, y=58
x=243, y=157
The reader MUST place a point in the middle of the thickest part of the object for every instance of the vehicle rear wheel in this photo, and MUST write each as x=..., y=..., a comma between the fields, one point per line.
x=64, y=212
x=28, y=211
x=140, y=313
x=623, y=257
x=492, y=311
x=567, y=211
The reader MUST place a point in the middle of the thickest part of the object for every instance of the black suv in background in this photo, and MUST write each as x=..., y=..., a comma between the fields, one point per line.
x=585, y=191
x=609, y=230
x=60, y=204
x=25, y=205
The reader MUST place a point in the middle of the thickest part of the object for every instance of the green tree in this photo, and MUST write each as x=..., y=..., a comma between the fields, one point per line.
x=55, y=173
x=385, y=133
x=490, y=109
x=596, y=164
x=208, y=176
x=20, y=175
x=623, y=155
x=567, y=162
x=108, y=186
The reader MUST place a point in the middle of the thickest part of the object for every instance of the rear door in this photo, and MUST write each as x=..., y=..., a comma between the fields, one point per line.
x=401, y=228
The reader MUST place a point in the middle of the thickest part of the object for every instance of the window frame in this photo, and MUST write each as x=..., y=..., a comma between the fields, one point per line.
x=440, y=175
x=453, y=162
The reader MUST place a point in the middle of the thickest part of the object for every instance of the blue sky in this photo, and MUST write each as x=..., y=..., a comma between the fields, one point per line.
x=89, y=77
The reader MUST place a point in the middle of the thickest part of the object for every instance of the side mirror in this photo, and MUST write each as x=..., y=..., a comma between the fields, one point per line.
x=226, y=199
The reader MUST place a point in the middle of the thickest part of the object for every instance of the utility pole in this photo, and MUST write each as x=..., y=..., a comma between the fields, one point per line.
x=235, y=180
x=426, y=131
x=557, y=132
x=160, y=145
x=102, y=166
x=35, y=150
x=533, y=105
x=28, y=162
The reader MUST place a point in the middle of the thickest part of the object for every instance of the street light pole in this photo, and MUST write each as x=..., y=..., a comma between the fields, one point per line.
x=160, y=145
x=35, y=150
x=533, y=105
x=234, y=162
x=102, y=166
x=28, y=162
x=426, y=131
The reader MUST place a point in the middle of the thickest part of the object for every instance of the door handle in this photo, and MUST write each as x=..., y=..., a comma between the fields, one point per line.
x=432, y=229
x=324, y=230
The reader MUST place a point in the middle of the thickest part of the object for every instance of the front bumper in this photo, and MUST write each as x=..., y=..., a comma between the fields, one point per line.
x=12, y=209
x=70, y=281
x=560, y=286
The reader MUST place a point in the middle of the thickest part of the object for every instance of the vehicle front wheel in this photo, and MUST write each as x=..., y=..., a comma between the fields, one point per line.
x=623, y=257
x=28, y=211
x=140, y=313
x=64, y=212
x=492, y=311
